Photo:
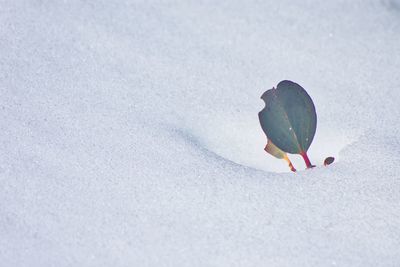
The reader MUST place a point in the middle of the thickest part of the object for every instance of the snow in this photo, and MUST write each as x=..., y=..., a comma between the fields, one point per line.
x=130, y=136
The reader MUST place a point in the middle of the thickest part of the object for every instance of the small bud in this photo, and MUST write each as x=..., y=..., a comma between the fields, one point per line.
x=328, y=161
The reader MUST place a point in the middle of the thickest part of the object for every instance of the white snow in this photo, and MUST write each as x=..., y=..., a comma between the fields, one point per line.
x=130, y=135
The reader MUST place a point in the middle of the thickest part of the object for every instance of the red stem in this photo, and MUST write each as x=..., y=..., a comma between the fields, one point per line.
x=306, y=160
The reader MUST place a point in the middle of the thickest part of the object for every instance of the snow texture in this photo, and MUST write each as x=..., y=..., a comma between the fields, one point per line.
x=130, y=135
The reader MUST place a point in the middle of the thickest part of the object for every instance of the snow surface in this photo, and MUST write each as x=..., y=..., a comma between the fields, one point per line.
x=130, y=135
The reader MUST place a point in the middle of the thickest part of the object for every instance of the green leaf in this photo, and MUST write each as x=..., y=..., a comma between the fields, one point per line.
x=289, y=119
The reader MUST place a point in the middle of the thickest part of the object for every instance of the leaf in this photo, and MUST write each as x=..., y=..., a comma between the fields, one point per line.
x=276, y=152
x=289, y=119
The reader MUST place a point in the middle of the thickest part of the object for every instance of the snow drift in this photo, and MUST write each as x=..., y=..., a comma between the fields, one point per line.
x=130, y=137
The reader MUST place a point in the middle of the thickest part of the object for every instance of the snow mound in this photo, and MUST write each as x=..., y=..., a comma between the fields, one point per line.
x=130, y=136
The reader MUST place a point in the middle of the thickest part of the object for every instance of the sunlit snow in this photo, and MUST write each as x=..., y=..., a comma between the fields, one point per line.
x=130, y=135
